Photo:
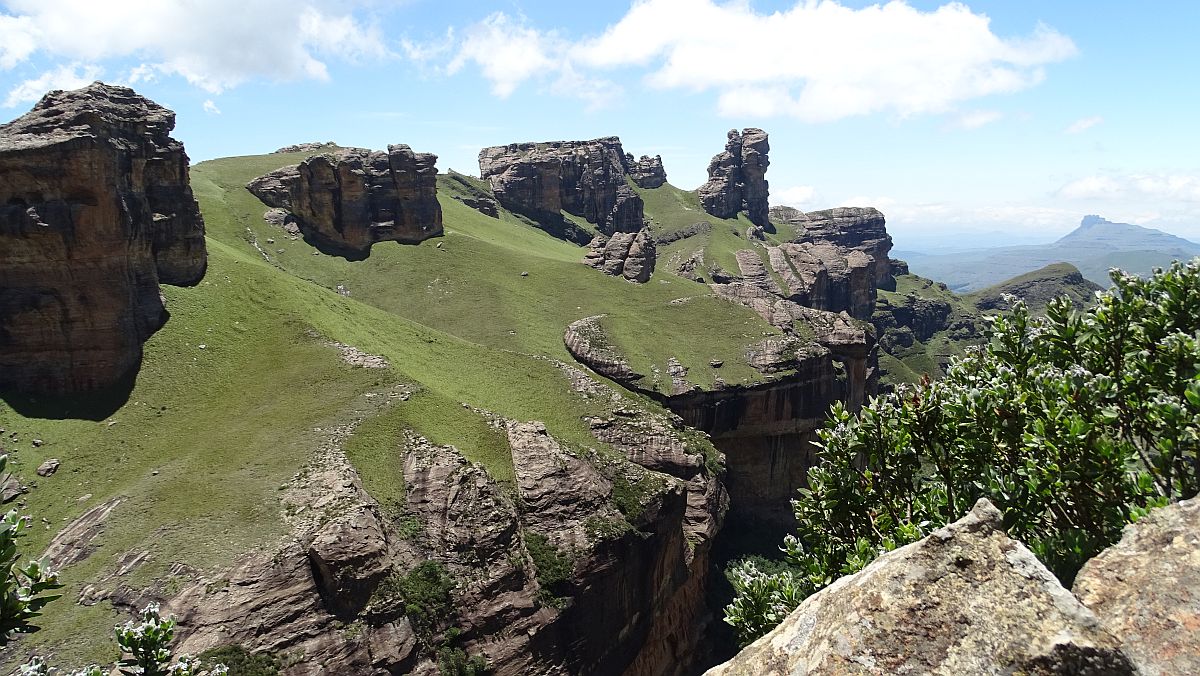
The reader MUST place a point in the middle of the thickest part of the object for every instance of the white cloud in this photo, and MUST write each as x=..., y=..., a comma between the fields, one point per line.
x=508, y=52
x=799, y=196
x=211, y=108
x=215, y=44
x=820, y=61
x=1179, y=187
x=1083, y=124
x=71, y=76
x=977, y=118
x=18, y=39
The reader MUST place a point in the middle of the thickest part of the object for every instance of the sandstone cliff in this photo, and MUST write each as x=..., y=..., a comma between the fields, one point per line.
x=583, y=178
x=584, y=562
x=964, y=600
x=95, y=211
x=625, y=254
x=347, y=200
x=737, y=178
x=853, y=228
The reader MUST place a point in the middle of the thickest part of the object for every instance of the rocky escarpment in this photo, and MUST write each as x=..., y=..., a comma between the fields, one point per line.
x=624, y=254
x=583, y=178
x=347, y=200
x=581, y=562
x=95, y=211
x=764, y=429
x=1146, y=590
x=852, y=228
x=964, y=600
x=737, y=178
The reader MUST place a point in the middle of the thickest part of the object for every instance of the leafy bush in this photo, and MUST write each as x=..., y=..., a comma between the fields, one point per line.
x=24, y=590
x=553, y=567
x=242, y=662
x=1073, y=425
x=425, y=594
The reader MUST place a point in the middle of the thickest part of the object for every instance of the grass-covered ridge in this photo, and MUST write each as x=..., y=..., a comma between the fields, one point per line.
x=243, y=385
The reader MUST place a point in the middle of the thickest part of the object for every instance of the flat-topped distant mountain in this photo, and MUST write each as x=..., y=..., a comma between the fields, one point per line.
x=1094, y=247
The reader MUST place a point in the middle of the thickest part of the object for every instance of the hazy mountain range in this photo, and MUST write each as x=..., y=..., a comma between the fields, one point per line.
x=1094, y=247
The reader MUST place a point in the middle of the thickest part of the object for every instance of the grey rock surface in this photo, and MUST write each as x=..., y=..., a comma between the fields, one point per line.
x=1146, y=590
x=737, y=178
x=964, y=600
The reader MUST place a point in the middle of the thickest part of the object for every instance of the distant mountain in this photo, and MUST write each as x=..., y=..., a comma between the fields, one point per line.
x=1094, y=247
x=1037, y=288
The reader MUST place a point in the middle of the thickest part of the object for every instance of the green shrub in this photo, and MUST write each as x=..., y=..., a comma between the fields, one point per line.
x=242, y=662
x=24, y=590
x=553, y=567
x=1073, y=425
x=424, y=593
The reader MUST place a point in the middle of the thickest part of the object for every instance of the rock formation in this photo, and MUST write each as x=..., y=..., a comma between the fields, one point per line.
x=583, y=178
x=1146, y=590
x=352, y=198
x=646, y=172
x=95, y=211
x=853, y=228
x=737, y=178
x=624, y=254
x=964, y=600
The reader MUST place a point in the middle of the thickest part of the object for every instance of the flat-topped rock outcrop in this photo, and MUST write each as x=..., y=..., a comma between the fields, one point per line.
x=349, y=199
x=737, y=178
x=95, y=211
x=857, y=228
x=582, y=178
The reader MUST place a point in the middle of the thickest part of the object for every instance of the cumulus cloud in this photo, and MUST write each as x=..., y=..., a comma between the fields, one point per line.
x=799, y=196
x=215, y=44
x=18, y=39
x=70, y=76
x=211, y=108
x=509, y=52
x=817, y=61
x=1083, y=124
x=1180, y=187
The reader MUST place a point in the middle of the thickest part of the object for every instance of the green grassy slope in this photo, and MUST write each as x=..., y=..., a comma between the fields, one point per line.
x=210, y=434
x=1037, y=288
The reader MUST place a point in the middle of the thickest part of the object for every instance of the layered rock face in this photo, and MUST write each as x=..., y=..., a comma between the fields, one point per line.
x=737, y=178
x=1146, y=590
x=583, y=178
x=964, y=600
x=624, y=254
x=852, y=228
x=95, y=211
x=352, y=198
x=646, y=172
x=629, y=598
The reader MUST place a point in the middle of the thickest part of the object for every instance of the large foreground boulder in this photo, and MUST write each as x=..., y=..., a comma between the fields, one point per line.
x=95, y=210
x=1146, y=590
x=965, y=600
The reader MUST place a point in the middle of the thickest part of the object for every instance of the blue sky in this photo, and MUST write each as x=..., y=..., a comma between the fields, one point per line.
x=993, y=122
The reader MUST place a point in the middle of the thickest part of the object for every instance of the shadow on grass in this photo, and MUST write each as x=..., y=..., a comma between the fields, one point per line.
x=94, y=405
